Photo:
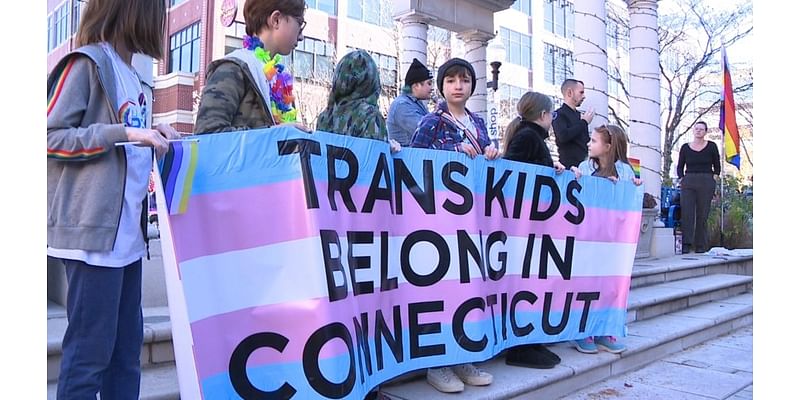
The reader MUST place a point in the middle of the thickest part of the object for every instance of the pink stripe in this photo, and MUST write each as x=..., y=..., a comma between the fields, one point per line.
x=247, y=218
x=216, y=337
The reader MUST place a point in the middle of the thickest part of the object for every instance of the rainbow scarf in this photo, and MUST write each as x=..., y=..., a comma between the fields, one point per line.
x=280, y=81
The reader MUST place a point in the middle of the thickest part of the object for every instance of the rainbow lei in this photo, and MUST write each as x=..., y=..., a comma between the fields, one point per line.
x=281, y=98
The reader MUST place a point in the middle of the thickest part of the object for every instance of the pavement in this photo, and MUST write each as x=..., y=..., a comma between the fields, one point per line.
x=726, y=362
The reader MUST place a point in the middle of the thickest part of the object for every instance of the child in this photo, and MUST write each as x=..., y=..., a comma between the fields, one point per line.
x=240, y=93
x=96, y=193
x=453, y=127
x=525, y=141
x=608, y=158
x=525, y=135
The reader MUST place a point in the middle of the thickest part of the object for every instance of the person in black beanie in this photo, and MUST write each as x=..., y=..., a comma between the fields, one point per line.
x=408, y=109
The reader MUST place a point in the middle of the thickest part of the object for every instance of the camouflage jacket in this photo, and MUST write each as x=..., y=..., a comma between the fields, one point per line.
x=231, y=100
x=353, y=102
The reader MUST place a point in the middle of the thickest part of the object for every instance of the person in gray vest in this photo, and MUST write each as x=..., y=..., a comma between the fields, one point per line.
x=408, y=109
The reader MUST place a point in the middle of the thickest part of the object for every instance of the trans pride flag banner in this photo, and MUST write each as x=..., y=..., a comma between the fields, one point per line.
x=317, y=266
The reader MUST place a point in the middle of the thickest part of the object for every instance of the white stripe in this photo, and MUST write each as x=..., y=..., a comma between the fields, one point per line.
x=293, y=271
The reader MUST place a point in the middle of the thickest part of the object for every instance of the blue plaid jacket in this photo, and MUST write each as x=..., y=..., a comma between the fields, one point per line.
x=437, y=132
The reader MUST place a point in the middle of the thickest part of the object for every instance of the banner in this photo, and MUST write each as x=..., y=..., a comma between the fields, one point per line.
x=312, y=266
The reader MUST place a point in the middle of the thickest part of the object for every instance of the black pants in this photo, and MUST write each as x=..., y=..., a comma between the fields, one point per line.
x=697, y=190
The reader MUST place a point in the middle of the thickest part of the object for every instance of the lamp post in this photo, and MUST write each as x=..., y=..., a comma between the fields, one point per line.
x=496, y=53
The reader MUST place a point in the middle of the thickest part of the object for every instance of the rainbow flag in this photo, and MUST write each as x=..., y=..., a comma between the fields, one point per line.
x=727, y=116
x=637, y=167
x=177, y=174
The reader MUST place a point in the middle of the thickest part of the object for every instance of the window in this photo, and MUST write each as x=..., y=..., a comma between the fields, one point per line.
x=616, y=36
x=375, y=12
x=558, y=64
x=518, y=47
x=184, y=50
x=510, y=94
x=58, y=29
x=613, y=87
x=173, y=3
x=311, y=59
x=559, y=17
x=77, y=11
x=328, y=6
x=523, y=6
x=387, y=65
x=49, y=31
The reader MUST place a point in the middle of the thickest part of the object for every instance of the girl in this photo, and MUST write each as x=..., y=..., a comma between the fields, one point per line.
x=96, y=193
x=525, y=135
x=608, y=158
x=525, y=141
x=250, y=88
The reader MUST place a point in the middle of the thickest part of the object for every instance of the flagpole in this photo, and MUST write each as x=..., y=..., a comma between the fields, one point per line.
x=722, y=196
x=723, y=158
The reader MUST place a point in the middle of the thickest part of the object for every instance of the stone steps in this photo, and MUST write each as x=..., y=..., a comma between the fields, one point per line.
x=647, y=341
x=673, y=304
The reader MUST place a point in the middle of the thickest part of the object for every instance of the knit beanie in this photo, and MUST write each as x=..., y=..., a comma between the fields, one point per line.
x=417, y=72
x=452, y=63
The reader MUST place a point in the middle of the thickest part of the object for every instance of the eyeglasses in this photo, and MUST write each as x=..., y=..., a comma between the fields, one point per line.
x=300, y=21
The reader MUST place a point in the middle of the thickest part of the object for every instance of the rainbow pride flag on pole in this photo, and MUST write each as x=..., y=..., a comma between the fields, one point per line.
x=727, y=116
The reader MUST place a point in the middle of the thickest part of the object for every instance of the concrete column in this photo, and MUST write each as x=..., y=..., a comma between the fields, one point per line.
x=475, y=43
x=591, y=59
x=413, y=42
x=645, y=129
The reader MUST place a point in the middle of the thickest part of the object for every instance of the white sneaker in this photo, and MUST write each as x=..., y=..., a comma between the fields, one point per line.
x=472, y=375
x=444, y=380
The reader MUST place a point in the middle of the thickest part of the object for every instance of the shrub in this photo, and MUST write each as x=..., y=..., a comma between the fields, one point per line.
x=738, y=223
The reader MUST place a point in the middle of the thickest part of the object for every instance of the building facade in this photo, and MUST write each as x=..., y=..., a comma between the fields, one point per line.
x=537, y=36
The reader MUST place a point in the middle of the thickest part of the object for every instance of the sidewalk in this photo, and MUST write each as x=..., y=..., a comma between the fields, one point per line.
x=721, y=368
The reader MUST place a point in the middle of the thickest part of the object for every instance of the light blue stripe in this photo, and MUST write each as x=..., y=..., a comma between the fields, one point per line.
x=224, y=165
x=270, y=377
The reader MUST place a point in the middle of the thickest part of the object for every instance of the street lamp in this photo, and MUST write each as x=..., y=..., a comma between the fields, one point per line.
x=496, y=53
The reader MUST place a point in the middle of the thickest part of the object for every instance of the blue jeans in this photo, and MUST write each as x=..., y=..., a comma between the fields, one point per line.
x=103, y=342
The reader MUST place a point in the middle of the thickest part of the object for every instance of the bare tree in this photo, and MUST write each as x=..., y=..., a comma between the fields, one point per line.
x=691, y=41
x=311, y=91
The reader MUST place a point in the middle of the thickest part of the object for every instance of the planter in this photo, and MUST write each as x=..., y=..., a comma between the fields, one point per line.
x=649, y=216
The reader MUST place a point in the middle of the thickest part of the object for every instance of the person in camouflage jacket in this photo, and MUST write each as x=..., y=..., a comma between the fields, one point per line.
x=353, y=102
x=236, y=94
x=231, y=99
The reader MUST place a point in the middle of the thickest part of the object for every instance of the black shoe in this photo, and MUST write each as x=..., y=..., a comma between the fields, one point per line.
x=687, y=248
x=532, y=356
